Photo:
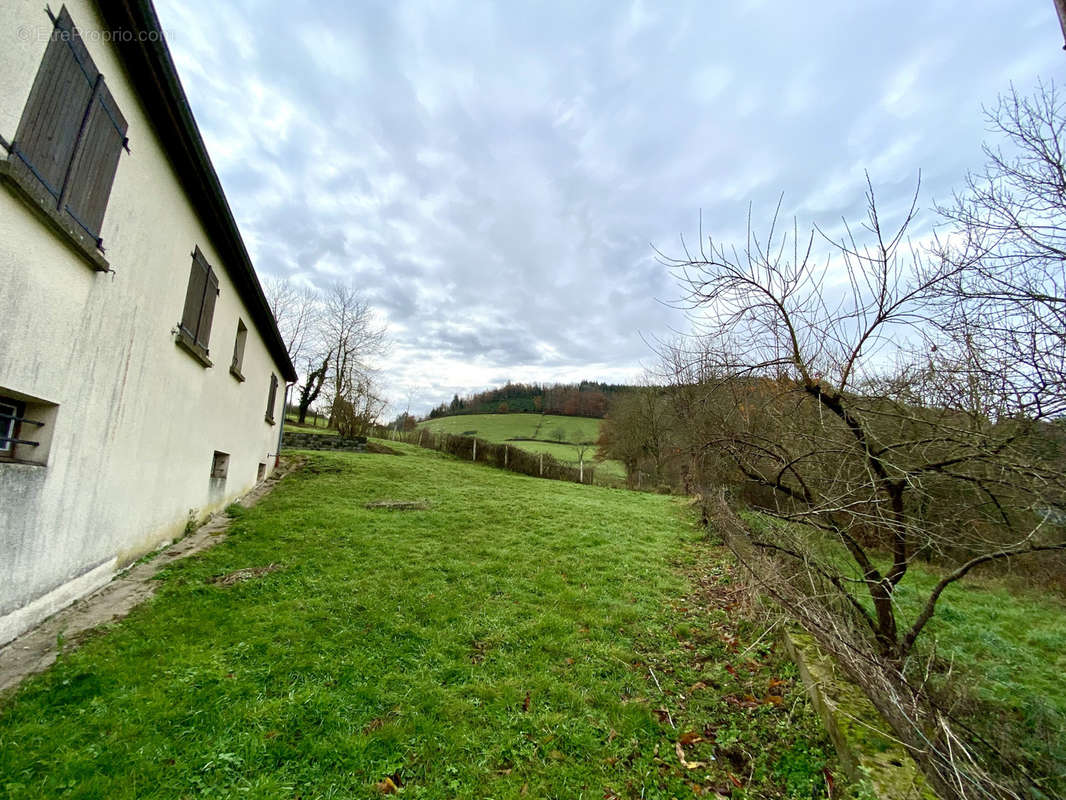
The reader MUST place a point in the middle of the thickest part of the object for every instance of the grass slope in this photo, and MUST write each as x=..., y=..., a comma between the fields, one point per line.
x=521, y=638
x=546, y=429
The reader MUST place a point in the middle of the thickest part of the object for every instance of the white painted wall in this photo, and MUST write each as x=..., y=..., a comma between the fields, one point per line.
x=138, y=419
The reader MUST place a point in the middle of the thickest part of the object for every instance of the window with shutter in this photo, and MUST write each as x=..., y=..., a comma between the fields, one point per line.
x=238, y=351
x=194, y=330
x=69, y=138
x=272, y=399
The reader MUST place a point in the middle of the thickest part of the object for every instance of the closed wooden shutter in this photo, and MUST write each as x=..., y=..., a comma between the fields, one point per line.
x=203, y=330
x=194, y=297
x=272, y=398
x=48, y=130
x=93, y=169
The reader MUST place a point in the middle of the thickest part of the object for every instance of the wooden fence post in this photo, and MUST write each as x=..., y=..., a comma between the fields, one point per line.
x=475, y=450
x=542, y=465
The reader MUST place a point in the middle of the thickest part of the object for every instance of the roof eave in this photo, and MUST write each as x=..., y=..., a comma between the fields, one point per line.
x=151, y=71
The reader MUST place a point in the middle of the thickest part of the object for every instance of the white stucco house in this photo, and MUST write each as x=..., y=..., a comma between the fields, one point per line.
x=141, y=373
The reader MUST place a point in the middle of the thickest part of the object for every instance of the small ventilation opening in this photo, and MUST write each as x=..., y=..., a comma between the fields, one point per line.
x=220, y=465
x=262, y=473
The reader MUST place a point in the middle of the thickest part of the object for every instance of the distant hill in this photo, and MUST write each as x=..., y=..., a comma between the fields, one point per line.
x=585, y=399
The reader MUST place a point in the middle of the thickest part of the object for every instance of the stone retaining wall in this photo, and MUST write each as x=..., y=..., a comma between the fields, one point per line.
x=321, y=441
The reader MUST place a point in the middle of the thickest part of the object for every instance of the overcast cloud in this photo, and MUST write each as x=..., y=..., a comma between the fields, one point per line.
x=494, y=175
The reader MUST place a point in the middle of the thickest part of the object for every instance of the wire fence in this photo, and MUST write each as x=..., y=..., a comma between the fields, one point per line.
x=505, y=456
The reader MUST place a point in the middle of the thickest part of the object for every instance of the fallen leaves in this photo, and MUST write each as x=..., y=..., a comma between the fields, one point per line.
x=687, y=764
x=691, y=737
x=390, y=785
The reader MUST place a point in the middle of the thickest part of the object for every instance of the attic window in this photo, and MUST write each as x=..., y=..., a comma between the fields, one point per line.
x=69, y=138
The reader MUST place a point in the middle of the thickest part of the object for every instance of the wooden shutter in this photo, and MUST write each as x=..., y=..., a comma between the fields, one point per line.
x=238, y=346
x=194, y=297
x=95, y=162
x=48, y=130
x=273, y=397
x=203, y=330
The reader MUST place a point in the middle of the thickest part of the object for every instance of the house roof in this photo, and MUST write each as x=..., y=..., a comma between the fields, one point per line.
x=151, y=70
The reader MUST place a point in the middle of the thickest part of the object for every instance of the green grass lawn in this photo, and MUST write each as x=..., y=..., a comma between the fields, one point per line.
x=547, y=429
x=309, y=427
x=520, y=638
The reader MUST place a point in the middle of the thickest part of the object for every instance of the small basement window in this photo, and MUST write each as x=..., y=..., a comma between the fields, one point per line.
x=26, y=425
x=220, y=465
x=262, y=472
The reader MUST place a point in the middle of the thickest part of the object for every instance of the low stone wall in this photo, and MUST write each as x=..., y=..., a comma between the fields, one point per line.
x=321, y=441
x=868, y=753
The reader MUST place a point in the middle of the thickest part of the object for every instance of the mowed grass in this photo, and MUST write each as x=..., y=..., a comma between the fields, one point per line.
x=519, y=638
x=547, y=429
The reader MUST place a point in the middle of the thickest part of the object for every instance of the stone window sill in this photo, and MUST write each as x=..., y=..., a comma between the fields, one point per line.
x=236, y=373
x=189, y=345
x=38, y=200
x=21, y=462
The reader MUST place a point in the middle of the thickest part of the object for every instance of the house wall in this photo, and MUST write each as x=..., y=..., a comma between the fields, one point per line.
x=138, y=419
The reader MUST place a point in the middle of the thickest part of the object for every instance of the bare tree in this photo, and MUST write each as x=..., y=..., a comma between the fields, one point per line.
x=296, y=310
x=334, y=337
x=639, y=431
x=316, y=369
x=1007, y=234
x=355, y=413
x=354, y=339
x=867, y=437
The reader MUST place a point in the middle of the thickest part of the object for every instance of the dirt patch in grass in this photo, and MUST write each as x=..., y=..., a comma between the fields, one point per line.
x=381, y=449
x=399, y=505
x=242, y=575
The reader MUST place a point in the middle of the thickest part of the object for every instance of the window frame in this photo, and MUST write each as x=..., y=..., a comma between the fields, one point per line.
x=13, y=427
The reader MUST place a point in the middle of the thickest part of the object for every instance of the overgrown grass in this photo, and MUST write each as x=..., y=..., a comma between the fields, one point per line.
x=1000, y=649
x=520, y=638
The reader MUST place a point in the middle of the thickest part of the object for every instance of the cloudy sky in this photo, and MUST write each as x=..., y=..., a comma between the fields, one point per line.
x=494, y=175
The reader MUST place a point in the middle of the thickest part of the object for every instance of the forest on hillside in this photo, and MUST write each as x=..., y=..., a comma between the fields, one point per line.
x=584, y=399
